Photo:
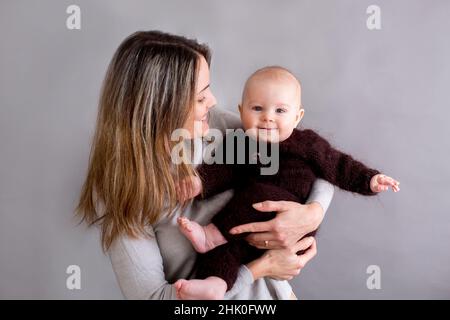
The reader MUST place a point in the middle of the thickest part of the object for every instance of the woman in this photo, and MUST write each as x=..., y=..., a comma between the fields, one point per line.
x=157, y=83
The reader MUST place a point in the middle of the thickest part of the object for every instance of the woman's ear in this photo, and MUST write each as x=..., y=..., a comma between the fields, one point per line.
x=299, y=116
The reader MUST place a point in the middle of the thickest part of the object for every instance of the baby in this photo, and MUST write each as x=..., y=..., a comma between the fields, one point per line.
x=270, y=111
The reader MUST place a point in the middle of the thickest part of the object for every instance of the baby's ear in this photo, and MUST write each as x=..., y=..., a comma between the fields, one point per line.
x=240, y=108
x=299, y=116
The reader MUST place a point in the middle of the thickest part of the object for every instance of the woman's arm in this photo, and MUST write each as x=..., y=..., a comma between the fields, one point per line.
x=321, y=193
x=138, y=266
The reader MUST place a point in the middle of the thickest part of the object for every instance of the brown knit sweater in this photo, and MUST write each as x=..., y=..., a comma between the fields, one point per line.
x=303, y=157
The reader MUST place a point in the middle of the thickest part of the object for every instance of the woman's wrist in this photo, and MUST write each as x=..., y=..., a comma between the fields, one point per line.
x=318, y=212
x=322, y=192
x=258, y=267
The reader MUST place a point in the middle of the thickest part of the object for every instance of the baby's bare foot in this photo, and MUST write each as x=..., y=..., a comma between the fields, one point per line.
x=212, y=288
x=203, y=238
x=195, y=233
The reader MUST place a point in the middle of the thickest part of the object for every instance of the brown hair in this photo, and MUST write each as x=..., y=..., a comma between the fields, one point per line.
x=147, y=93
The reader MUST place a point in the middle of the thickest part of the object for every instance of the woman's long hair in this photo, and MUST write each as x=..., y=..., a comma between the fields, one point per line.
x=148, y=92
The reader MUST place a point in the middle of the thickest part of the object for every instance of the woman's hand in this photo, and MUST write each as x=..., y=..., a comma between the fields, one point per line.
x=284, y=264
x=293, y=222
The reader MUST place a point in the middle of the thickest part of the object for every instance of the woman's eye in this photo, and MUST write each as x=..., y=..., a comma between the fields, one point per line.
x=257, y=108
x=201, y=100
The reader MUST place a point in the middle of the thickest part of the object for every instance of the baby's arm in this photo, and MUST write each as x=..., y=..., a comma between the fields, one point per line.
x=342, y=170
x=212, y=179
x=216, y=178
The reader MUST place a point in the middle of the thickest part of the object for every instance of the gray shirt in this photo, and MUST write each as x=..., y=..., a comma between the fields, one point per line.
x=146, y=268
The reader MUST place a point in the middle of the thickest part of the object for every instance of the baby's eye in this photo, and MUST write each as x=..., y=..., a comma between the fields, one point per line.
x=257, y=108
x=281, y=110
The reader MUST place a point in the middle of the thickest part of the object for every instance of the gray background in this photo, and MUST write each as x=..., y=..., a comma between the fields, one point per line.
x=379, y=95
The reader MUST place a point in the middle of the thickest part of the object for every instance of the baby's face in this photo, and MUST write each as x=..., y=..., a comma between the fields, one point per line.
x=270, y=109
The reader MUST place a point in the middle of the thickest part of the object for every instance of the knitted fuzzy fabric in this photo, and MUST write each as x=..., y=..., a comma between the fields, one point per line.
x=303, y=157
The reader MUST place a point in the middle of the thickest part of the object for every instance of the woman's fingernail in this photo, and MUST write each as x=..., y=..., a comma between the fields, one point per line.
x=257, y=205
x=232, y=231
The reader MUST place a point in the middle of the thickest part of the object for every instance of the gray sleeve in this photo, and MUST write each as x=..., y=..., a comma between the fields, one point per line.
x=223, y=119
x=138, y=266
x=244, y=278
x=321, y=192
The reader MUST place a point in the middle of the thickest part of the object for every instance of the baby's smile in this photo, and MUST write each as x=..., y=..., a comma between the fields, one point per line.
x=264, y=128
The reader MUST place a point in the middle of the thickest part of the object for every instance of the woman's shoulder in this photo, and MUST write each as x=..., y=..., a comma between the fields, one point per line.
x=222, y=119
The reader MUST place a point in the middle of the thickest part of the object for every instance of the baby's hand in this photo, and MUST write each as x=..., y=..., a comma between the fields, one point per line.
x=380, y=182
x=184, y=192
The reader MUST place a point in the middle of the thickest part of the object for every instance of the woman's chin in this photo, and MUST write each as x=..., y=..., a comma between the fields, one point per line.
x=199, y=130
x=203, y=130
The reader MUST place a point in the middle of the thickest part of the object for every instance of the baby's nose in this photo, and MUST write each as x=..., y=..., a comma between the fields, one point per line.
x=267, y=117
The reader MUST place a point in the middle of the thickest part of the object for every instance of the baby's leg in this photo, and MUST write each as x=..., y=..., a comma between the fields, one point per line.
x=224, y=261
x=212, y=288
x=203, y=238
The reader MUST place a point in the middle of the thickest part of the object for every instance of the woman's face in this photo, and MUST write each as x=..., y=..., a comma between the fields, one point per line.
x=197, y=123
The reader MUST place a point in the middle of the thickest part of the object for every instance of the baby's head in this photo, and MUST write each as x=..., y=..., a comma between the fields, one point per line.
x=271, y=104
